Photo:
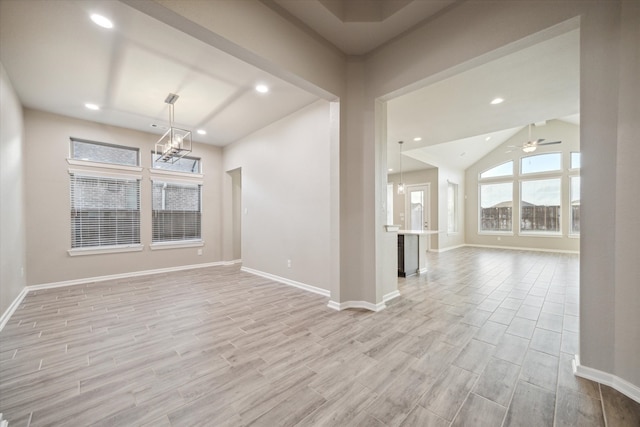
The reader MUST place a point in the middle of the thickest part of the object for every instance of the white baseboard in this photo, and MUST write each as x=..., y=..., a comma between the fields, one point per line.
x=449, y=248
x=356, y=304
x=12, y=308
x=304, y=286
x=127, y=275
x=391, y=295
x=623, y=386
x=517, y=248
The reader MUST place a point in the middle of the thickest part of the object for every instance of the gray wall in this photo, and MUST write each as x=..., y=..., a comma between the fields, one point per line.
x=569, y=134
x=285, y=196
x=47, y=198
x=12, y=218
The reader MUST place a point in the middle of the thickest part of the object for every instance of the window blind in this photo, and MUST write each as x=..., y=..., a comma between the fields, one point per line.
x=104, y=211
x=176, y=211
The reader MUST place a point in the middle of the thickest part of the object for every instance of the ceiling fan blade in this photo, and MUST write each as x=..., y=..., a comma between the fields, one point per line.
x=549, y=143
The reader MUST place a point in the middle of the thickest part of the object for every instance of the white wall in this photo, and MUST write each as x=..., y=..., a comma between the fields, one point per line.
x=12, y=222
x=285, y=196
x=554, y=130
x=47, y=198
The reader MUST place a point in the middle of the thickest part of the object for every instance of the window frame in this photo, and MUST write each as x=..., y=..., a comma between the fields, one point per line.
x=162, y=171
x=106, y=248
x=184, y=243
x=558, y=171
x=542, y=233
x=456, y=209
x=97, y=163
x=494, y=181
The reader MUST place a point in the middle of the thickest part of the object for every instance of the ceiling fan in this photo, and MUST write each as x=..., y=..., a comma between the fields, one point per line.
x=532, y=144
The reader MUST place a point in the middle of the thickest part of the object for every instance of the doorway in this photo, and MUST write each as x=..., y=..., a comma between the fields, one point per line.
x=418, y=207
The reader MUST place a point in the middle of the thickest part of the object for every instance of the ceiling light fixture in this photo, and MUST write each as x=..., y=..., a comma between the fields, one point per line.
x=417, y=138
x=201, y=132
x=487, y=138
x=91, y=106
x=497, y=101
x=401, y=184
x=262, y=88
x=102, y=21
x=176, y=142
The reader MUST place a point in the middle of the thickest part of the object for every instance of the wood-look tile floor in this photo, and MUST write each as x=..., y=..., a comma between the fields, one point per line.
x=485, y=338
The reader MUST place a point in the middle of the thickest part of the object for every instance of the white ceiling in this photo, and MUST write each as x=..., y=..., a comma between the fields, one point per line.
x=58, y=60
x=357, y=27
x=454, y=116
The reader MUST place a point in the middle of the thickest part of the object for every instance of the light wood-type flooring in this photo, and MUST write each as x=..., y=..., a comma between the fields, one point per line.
x=485, y=338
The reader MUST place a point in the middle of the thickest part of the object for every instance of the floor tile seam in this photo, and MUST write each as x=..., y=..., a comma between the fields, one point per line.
x=604, y=413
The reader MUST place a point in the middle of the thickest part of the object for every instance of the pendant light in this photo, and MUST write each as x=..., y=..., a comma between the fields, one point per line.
x=401, y=183
x=176, y=142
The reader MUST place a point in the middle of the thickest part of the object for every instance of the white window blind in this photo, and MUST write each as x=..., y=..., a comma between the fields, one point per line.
x=176, y=211
x=104, y=211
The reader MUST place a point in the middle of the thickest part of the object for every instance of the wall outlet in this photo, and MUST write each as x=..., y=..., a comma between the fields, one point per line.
x=289, y=263
x=199, y=251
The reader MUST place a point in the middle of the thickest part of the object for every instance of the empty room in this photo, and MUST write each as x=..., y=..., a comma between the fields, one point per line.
x=319, y=212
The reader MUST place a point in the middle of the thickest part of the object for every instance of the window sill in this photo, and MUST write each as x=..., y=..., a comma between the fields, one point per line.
x=176, y=173
x=495, y=233
x=541, y=234
x=177, y=244
x=77, y=162
x=97, y=250
x=574, y=236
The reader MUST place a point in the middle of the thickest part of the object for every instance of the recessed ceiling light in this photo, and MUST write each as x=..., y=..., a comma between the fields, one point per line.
x=262, y=88
x=201, y=132
x=92, y=106
x=497, y=101
x=417, y=138
x=102, y=21
x=487, y=138
x=390, y=170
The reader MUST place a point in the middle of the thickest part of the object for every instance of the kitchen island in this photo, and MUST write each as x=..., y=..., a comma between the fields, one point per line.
x=412, y=251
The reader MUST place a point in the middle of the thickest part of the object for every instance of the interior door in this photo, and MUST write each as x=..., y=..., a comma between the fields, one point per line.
x=417, y=207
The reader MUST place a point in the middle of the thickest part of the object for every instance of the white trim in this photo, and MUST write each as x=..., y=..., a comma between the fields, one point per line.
x=286, y=281
x=101, y=174
x=96, y=250
x=517, y=248
x=391, y=295
x=422, y=270
x=176, y=244
x=154, y=171
x=176, y=180
x=449, y=248
x=12, y=308
x=77, y=162
x=623, y=386
x=339, y=306
x=125, y=275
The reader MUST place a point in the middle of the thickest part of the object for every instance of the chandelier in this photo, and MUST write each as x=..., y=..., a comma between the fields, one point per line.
x=176, y=142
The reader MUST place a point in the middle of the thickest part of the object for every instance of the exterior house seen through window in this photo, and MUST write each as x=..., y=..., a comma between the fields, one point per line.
x=539, y=193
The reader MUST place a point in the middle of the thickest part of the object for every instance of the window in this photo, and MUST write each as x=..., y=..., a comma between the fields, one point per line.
x=575, y=206
x=176, y=211
x=540, y=206
x=547, y=162
x=101, y=152
x=496, y=207
x=104, y=211
x=505, y=169
x=184, y=164
x=575, y=160
x=390, y=195
x=452, y=207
